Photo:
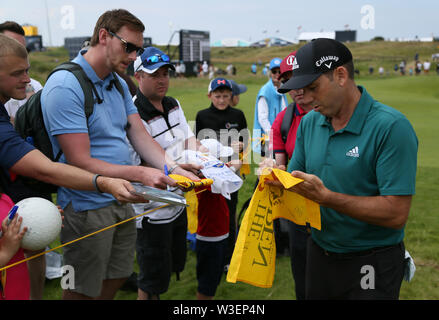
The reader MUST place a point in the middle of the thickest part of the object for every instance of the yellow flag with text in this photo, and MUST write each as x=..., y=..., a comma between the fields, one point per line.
x=254, y=257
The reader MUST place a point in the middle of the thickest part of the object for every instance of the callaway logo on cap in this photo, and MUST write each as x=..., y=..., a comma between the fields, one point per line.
x=314, y=59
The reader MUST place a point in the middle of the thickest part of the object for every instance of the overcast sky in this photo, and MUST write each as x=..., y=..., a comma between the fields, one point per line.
x=249, y=20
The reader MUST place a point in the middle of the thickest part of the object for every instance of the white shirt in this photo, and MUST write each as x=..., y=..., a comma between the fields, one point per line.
x=426, y=65
x=263, y=114
x=173, y=142
x=13, y=105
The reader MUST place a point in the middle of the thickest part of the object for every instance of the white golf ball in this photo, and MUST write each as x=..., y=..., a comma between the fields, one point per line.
x=43, y=222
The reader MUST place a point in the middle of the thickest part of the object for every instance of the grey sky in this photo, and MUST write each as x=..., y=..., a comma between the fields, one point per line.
x=249, y=20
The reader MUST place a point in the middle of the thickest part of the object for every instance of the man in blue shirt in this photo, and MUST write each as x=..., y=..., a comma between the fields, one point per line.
x=357, y=158
x=269, y=103
x=102, y=262
x=19, y=157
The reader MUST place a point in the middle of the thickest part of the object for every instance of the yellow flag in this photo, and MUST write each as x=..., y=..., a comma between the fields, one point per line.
x=192, y=211
x=254, y=257
x=191, y=198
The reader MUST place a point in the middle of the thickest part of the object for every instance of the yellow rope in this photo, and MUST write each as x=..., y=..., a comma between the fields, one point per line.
x=86, y=236
x=81, y=238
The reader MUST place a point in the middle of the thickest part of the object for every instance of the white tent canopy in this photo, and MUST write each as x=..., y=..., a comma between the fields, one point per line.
x=308, y=36
x=231, y=42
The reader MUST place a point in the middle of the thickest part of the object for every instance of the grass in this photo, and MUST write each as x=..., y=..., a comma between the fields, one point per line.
x=415, y=96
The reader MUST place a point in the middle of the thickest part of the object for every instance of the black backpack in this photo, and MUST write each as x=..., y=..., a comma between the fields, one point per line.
x=287, y=121
x=29, y=122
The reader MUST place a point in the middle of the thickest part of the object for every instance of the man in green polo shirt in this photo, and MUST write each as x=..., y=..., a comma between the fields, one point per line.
x=357, y=158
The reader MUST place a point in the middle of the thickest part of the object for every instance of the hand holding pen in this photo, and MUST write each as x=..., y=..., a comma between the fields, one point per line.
x=10, y=217
x=11, y=236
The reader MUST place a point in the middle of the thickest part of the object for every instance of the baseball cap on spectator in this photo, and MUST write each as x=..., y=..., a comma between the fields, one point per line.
x=315, y=58
x=237, y=89
x=151, y=60
x=287, y=63
x=218, y=83
x=275, y=63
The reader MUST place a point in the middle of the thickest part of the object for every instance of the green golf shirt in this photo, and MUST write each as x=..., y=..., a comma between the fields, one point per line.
x=375, y=154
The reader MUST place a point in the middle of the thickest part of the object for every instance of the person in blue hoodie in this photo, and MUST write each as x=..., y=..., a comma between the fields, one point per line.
x=268, y=104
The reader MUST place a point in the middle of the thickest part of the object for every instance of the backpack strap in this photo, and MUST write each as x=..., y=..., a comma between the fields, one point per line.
x=88, y=88
x=86, y=84
x=118, y=85
x=287, y=121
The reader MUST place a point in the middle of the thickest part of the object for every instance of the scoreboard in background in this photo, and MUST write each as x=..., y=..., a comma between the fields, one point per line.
x=346, y=36
x=194, y=48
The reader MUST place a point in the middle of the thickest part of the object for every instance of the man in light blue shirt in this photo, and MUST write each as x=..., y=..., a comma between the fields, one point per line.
x=104, y=261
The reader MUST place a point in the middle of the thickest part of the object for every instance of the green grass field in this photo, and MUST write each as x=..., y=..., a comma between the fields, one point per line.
x=415, y=96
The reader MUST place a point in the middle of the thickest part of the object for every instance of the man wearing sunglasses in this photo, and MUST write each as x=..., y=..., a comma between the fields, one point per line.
x=268, y=105
x=104, y=261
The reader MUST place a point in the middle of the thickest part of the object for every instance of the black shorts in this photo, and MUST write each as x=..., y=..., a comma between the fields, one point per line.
x=161, y=250
x=371, y=274
x=210, y=265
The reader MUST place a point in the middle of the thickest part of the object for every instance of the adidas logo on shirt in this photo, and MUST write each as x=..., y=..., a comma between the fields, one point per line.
x=353, y=153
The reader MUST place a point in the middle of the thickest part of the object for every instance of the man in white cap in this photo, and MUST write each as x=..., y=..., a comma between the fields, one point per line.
x=161, y=235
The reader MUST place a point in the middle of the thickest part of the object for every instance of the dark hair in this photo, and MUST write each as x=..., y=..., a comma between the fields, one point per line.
x=12, y=27
x=113, y=20
x=349, y=67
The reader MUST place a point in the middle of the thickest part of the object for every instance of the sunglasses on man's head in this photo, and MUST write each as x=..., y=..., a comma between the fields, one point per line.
x=129, y=47
x=156, y=58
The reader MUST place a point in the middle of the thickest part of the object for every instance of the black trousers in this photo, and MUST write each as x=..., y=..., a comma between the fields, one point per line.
x=232, y=203
x=298, y=238
x=372, y=274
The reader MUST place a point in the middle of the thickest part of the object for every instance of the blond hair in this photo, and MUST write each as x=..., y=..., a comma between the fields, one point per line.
x=9, y=46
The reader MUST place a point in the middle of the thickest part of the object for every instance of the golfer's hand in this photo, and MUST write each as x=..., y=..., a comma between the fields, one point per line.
x=268, y=163
x=311, y=188
x=120, y=189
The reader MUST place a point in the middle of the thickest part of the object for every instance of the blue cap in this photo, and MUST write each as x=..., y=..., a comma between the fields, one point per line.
x=275, y=63
x=217, y=83
x=151, y=60
x=237, y=89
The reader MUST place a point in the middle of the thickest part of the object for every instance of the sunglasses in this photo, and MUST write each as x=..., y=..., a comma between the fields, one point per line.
x=154, y=59
x=129, y=47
